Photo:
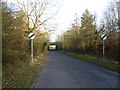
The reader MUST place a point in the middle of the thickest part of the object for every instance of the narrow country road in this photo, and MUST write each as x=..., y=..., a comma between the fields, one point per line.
x=61, y=71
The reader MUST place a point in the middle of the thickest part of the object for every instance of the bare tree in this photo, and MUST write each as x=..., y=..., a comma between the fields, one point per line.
x=111, y=17
x=34, y=12
x=111, y=22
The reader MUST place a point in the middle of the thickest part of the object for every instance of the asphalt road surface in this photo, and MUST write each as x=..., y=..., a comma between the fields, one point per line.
x=62, y=71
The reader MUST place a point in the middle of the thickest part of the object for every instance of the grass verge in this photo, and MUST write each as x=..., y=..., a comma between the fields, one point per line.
x=22, y=74
x=113, y=67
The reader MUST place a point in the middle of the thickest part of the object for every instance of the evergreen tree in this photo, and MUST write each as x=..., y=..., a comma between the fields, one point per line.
x=88, y=28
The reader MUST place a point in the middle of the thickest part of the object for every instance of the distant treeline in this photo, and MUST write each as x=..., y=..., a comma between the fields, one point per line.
x=84, y=35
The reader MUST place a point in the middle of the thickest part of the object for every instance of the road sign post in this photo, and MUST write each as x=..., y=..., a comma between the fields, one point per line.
x=32, y=50
x=103, y=37
x=103, y=49
x=31, y=36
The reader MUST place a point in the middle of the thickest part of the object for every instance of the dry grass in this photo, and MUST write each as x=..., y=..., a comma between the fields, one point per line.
x=114, y=67
x=22, y=74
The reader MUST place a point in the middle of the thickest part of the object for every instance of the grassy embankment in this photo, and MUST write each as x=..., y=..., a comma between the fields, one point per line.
x=113, y=67
x=21, y=74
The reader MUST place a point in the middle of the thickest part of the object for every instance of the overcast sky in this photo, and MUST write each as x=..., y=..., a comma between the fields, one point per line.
x=67, y=9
